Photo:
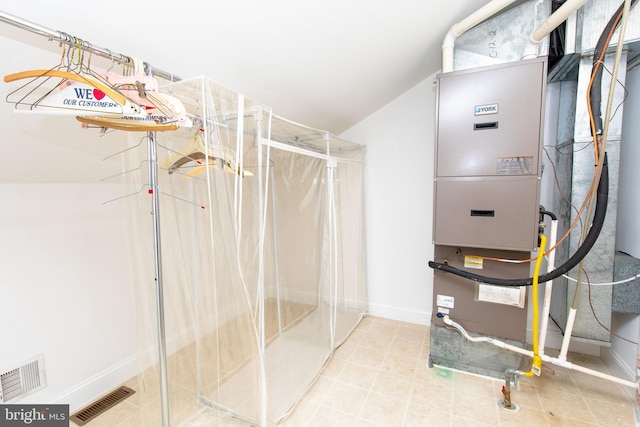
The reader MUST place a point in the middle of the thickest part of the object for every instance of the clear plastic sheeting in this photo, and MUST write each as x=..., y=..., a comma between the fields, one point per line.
x=262, y=259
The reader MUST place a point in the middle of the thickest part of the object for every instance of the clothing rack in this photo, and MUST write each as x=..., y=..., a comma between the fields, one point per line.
x=153, y=184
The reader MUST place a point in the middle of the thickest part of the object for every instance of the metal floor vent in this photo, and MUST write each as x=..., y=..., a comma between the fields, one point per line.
x=101, y=405
x=23, y=380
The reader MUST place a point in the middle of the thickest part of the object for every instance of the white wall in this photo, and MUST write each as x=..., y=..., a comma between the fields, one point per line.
x=399, y=140
x=622, y=355
x=628, y=226
x=65, y=290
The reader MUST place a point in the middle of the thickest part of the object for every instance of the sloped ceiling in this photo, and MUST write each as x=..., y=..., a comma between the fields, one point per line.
x=324, y=64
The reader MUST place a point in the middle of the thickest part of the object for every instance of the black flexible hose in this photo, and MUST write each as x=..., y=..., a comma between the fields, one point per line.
x=602, y=200
x=550, y=214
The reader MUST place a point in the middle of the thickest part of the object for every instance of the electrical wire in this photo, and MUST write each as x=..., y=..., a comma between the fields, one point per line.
x=594, y=97
x=624, y=88
x=618, y=282
x=563, y=196
x=594, y=102
x=595, y=316
x=595, y=129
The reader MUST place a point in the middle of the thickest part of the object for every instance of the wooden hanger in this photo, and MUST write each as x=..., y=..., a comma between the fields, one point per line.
x=144, y=90
x=78, y=89
x=163, y=112
x=67, y=75
x=217, y=157
x=72, y=92
x=122, y=123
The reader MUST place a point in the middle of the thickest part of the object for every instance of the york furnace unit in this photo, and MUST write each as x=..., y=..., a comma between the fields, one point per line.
x=487, y=189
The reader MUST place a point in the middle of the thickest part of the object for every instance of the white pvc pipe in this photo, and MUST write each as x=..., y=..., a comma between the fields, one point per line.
x=557, y=18
x=556, y=361
x=584, y=370
x=564, y=348
x=548, y=287
x=447, y=320
x=470, y=21
x=550, y=24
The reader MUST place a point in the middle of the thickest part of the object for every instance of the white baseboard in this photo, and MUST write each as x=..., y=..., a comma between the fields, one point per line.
x=408, y=315
x=618, y=367
x=554, y=341
x=98, y=385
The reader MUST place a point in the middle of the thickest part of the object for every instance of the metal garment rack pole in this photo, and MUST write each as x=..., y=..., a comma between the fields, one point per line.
x=162, y=340
x=61, y=37
x=153, y=183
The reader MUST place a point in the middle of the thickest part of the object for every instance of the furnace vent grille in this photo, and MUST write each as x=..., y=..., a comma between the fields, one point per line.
x=103, y=404
x=23, y=380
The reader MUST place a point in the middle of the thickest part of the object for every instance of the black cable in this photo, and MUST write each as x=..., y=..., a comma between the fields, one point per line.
x=556, y=38
x=602, y=200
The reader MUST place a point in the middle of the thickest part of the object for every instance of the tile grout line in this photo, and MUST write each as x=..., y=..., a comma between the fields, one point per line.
x=413, y=380
x=359, y=416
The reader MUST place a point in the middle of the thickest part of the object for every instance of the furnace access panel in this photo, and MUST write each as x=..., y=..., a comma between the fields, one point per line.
x=488, y=155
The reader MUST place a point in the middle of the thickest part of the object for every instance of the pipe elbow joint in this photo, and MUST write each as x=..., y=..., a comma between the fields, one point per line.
x=447, y=51
x=450, y=39
x=445, y=319
x=530, y=50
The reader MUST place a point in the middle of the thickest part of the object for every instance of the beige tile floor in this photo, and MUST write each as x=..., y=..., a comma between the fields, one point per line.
x=379, y=377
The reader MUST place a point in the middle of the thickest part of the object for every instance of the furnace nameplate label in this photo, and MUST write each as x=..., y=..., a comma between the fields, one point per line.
x=507, y=295
x=520, y=165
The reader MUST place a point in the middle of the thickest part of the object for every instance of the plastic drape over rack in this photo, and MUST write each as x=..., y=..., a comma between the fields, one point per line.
x=262, y=256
